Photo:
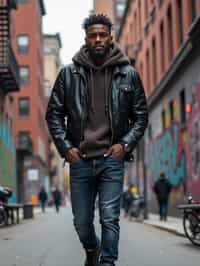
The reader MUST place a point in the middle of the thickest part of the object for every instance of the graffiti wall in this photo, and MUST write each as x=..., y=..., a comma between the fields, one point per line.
x=167, y=154
x=7, y=158
x=176, y=152
x=193, y=151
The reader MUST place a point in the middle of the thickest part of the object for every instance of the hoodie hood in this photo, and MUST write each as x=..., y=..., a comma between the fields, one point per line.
x=115, y=57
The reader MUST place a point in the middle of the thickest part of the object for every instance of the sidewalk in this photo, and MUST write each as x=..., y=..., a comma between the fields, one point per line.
x=172, y=225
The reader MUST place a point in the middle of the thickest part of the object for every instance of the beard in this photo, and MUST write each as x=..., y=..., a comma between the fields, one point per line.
x=99, y=54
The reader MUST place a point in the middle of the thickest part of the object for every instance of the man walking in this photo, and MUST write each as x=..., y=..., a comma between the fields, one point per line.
x=57, y=199
x=43, y=197
x=102, y=99
x=162, y=188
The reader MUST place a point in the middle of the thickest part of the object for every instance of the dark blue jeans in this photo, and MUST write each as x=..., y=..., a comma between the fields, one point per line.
x=163, y=209
x=102, y=175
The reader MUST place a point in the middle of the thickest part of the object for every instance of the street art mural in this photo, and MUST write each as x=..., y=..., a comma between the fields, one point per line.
x=167, y=154
x=193, y=153
x=7, y=159
x=177, y=153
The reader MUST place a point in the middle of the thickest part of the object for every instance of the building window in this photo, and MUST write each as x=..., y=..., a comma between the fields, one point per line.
x=141, y=69
x=148, y=71
x=163, y=118
x=180, y=20
x=23, y=138
x=150, y=132
x=146, y=8
x=23, y=44
x=120, y=7
x=162, y=46
x=170, y=37
x=24, y=75
x=24, y=107
x=131, y=33
x=193, y=9
x=171, y=110
x=140, y=19
x=23, y=1
x=154, y=61
x=182, y=106
x=135, y=27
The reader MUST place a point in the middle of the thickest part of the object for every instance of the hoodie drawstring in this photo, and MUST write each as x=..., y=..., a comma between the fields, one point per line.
x=92, y=90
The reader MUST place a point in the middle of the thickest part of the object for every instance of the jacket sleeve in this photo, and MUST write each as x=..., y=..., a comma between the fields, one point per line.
x=56, y=114
x=139, y=114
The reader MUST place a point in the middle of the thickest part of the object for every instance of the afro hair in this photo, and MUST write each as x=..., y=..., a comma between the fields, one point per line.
x=97, y=19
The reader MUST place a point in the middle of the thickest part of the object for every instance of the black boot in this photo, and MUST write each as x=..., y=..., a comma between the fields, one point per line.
x=92, y=257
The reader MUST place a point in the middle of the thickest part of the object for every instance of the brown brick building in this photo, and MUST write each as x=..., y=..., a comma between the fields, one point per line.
x=152, y=32
x=52, y=65
x=30, y=127
x=104, y=7
x=9, y=84
x=162, y=37
x=113, y=8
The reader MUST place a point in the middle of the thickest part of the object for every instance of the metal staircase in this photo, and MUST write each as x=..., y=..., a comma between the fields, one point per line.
x=9, y=70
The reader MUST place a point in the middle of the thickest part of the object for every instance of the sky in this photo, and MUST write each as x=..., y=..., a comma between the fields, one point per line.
x=66, y=17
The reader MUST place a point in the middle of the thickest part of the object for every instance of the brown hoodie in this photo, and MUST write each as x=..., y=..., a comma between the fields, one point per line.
x=97, y=131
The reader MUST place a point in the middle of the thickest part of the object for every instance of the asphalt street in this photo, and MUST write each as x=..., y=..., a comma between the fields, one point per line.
x=50, y=240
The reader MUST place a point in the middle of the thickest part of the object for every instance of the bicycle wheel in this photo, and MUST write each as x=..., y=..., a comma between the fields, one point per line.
x=191, y=225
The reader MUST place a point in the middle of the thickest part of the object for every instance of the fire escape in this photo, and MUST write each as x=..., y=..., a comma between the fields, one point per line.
x=9, y=69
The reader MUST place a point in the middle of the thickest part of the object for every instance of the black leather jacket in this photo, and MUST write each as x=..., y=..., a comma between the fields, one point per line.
x=68, y=107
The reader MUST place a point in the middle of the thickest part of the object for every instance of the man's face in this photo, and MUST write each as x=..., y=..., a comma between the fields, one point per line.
x=98, y=40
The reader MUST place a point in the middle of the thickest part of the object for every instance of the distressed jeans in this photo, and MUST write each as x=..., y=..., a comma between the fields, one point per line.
x=89, y=177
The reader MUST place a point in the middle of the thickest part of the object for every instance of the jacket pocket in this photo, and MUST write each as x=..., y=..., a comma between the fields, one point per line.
x=125, y=88
x=126, y=94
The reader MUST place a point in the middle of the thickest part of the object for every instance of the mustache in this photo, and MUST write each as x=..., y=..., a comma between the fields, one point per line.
x=97, y=46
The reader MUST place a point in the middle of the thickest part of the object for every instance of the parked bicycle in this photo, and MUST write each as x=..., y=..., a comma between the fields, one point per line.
x=191, y=220
x=5, y=194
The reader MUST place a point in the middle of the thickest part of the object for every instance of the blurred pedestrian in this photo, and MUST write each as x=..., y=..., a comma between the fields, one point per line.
x=43, y=197
x=128, y=197
x=57, y=198
x=103, y=99
x=162, y=188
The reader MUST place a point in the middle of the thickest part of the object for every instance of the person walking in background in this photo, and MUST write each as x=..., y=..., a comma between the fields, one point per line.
x=57, y=198
x=43, y=197
x=162, y=188
x=102, y=97
x=128, y=197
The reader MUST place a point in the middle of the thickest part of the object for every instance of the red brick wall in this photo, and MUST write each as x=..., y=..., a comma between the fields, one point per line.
x=28, y=21
x=133, y=34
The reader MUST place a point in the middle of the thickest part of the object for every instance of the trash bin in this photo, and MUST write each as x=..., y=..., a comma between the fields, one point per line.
x=28, y=211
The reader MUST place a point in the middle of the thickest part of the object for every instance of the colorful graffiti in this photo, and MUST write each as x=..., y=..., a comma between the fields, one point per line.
x=167, y=154
x=194, y=146
x=7, y=158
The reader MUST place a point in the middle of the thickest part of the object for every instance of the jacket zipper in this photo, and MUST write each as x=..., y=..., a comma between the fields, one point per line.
x=82, y=116
x=111, y=120
x=110, y=113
